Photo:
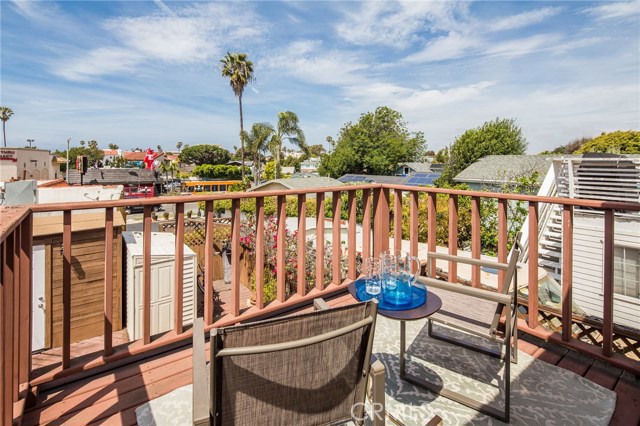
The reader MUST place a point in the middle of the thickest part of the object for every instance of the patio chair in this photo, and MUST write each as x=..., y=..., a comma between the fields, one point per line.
x=305, y=369
x=478, y=312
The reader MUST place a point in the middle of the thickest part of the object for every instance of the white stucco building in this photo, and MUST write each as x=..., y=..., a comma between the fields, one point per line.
x=26, y=163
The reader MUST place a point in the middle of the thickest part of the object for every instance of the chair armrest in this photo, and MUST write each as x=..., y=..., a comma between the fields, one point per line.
x=469, y=291
x=377, y=393
x=200, y=388
x=320, y=305
x=468, y=260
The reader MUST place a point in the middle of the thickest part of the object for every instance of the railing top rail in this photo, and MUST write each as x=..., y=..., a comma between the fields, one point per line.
x=616, y=205
x=10, y=218
x=84, y=205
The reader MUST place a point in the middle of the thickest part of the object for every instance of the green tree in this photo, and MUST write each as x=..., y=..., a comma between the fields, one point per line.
x=496, y=137
x=179, y=145
x=113, y=146
x=204, y=154
x=569, y=148
x=617, y=142
x=442, y=156
x=92, y=144
x=239, y=70
x=219, y=171
x=317, y=150
x=376, y=144
x=5, y=115
x=269, y=171
x=288, y=127
x=256, y=142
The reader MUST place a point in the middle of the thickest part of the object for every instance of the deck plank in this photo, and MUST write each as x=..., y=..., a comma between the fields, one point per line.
x=603, y=374
x=576, y=362
x=628, y=401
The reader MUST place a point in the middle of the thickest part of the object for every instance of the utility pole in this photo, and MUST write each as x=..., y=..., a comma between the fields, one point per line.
x=67, y=175
x=30, y=141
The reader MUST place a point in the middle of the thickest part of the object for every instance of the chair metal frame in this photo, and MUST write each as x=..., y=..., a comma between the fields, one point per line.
x=205, y=410
x=505, y=301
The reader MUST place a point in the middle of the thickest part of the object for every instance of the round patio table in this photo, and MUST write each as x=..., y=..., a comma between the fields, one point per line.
x=431, y=306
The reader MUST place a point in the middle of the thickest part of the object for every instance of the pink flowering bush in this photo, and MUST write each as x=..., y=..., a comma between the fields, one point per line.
x=270, y=243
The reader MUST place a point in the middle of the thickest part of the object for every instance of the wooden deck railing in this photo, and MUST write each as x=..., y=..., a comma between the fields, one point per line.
x=16, y=246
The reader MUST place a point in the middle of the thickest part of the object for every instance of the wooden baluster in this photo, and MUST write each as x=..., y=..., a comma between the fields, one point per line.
x=607, y=297
x=366, y=223
x=336, y=246
x=66, y=289
x=476, y=252
x=502, y=239
x=431, y=231
x=208, y=262
x=533, y=264
x=178, y=286
x=413, y=223
x=453, y=237
x=235, y=257
x=302, y=244
x=320, y=241
x=6, y=332
x=380, y=221
x=351, y=244
x=280, y=258
x=16, y=312
x=567, y=271
x=397, y=220
x=260, y=252
x=26, y=294
x=108, y=281
x=146, y=276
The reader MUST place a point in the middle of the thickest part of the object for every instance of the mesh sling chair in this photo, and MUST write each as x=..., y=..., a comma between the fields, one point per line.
x=478, y=312
x=305, y=369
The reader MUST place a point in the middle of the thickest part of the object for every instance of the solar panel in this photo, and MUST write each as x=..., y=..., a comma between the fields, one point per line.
x=420, y=179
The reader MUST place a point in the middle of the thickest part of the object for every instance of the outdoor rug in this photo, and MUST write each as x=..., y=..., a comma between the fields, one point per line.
x=541, y=393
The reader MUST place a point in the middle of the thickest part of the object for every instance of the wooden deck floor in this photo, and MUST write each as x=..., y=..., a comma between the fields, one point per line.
x=111, y=398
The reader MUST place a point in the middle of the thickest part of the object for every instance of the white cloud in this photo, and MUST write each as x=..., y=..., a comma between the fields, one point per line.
x=397, y=24
x=523, y=46
x=522, y=19
x=617, y=10
x=191, y=34
x=453, y=45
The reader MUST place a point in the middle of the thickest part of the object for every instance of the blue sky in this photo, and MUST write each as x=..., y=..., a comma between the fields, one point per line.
x=138, y=73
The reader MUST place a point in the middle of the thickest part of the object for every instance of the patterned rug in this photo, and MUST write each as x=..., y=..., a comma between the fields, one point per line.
x=541, y=393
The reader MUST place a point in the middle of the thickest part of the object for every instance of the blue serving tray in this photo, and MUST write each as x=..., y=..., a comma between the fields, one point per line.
x=418, y=297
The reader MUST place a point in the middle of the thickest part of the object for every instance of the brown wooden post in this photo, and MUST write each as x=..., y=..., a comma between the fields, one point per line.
x=453, y=236
x=476, y=251
x=26, y=294
x=302, y=244
x=66, y=289
x=178, y=280
x=413, y=223
x=567, y=271
x=208, y=262
x=533, y=264
x=6, y=332
x=108, y=281
x=503, y=237
x=146, y=276
x=336, y=246
x=397, y=220
x=366, y=223
x=607, y=297
x=351, y=244
x=320, y=241
x=235, y=258
x=260, y=252
x=280, y=258
x=431, y=231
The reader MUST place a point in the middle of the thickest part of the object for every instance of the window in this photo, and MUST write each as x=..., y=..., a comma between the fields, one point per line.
x=626, y=271
x=406, y=170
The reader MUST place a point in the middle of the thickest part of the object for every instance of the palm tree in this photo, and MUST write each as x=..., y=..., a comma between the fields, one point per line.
x=5, y=115
x=239, y=70
x=179, y=145
x=288, y=128
x=258, y=139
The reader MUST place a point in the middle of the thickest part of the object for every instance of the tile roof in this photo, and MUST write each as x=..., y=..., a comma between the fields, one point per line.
x=504, y=168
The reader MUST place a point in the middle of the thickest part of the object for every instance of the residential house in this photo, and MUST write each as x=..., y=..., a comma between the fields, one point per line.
x=310, y=165
x=109, y=155
x=493, y=172
x=297, y=183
